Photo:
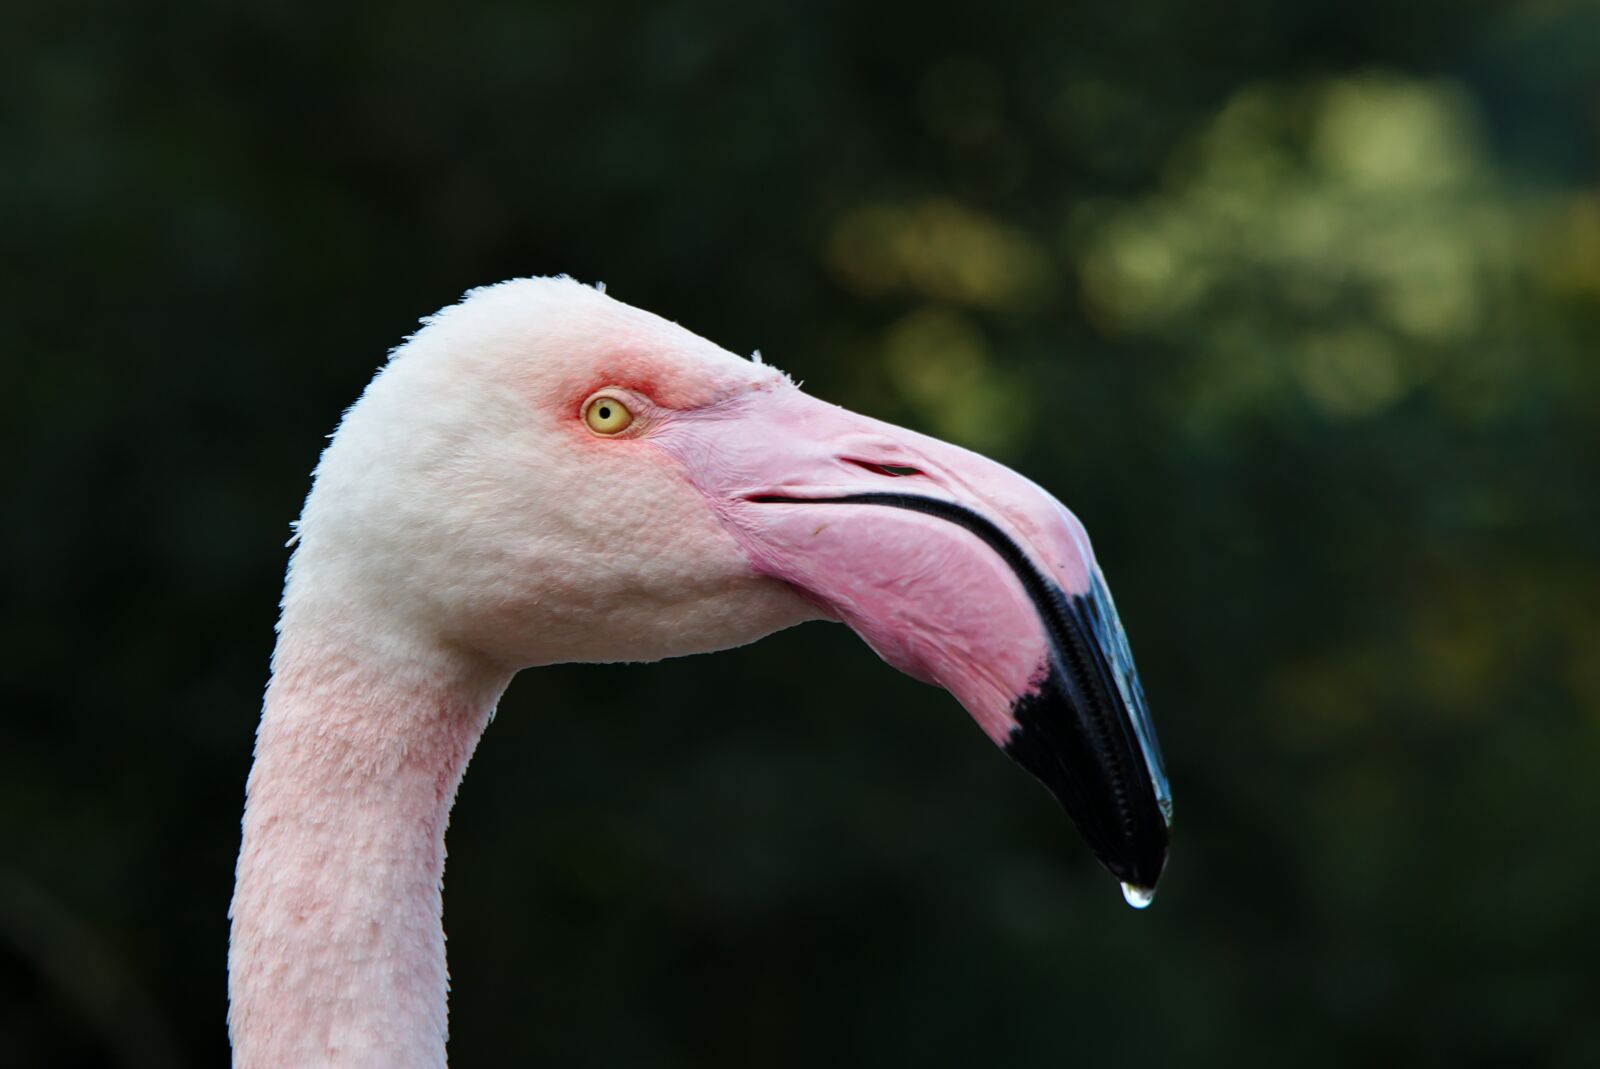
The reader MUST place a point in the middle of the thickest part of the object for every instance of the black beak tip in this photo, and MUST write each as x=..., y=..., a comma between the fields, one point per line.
x=1139, y=863
x=1123, y=823
x=1086, y=735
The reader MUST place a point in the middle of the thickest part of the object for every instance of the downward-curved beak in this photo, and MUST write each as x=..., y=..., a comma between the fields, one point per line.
x=960, y=572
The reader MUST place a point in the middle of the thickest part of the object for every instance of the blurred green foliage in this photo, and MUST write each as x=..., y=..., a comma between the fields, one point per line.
x=1297, y=305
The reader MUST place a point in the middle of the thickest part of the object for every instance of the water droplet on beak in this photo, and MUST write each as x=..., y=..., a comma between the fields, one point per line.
x=1138, y=897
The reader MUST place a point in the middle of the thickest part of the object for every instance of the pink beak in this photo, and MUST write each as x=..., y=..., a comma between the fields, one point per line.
x=959, y=572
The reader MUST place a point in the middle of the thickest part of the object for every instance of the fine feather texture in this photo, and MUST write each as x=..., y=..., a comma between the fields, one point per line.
x=461, y=525
x=461, y=497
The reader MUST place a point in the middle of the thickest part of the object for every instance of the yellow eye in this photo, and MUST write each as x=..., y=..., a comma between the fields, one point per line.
x=607, y=415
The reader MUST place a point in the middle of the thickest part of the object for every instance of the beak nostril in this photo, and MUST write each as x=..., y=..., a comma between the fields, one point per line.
x=892, y=470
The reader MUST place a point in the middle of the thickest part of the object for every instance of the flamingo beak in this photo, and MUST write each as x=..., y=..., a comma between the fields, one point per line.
x=959, y=572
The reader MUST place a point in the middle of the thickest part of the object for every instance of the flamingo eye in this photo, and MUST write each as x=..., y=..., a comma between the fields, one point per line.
x=607, y=415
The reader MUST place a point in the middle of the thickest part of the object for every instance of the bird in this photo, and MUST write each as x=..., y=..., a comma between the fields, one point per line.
x=543, y=474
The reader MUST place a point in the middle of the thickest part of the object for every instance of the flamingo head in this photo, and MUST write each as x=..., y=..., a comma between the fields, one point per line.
x=545, y=474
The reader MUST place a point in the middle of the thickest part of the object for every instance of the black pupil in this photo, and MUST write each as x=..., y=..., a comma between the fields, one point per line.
x=605, y=413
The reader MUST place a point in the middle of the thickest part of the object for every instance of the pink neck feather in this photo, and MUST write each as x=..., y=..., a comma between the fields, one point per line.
x=337, y=952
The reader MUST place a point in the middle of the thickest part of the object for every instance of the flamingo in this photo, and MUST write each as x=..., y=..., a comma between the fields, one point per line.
x=543, y=474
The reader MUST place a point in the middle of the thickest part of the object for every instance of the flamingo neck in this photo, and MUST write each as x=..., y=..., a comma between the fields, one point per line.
x=337, y=950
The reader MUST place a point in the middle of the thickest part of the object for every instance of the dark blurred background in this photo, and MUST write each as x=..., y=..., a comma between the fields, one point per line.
x=1295, y=304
